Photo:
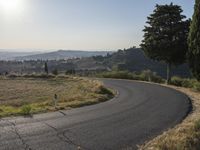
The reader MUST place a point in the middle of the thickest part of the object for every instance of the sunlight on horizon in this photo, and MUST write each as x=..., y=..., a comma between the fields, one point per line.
x=11, y=7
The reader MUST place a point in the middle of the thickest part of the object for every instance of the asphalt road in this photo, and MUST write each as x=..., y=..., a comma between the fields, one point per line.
x=139, y=112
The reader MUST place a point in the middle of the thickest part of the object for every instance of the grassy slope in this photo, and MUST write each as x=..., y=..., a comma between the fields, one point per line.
x=38, y=94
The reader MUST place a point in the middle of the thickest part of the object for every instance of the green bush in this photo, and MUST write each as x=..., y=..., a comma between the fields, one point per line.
x=196, y=86
x=157, y=79
x=148, y=75
x=137, y=77
x=55, y=72
x=177, y=81
x=117, y=75
x=197, y=126
x=187, y=83
x=26, y=110
x=145, y=75
x=39, y=76
x=142, y=76
x=104, y=90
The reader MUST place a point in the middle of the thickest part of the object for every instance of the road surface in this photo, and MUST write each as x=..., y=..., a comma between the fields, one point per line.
x=139, y=112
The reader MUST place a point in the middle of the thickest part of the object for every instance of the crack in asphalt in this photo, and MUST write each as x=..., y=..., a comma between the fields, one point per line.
x=64, y=138
x=64, y=114
x=60, y=134
x=16, y=132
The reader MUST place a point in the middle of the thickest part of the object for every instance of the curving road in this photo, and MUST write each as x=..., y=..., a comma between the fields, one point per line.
x=139, y=112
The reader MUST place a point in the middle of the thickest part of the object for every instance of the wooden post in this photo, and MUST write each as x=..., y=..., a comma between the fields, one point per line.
x=55, y=100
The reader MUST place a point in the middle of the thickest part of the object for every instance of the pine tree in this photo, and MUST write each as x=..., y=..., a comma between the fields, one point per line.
x=194, y=42
x=46, y=68
x=165, y=37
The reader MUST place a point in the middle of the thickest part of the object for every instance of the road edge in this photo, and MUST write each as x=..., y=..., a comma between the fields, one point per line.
x=151, y=143
x=177, y=135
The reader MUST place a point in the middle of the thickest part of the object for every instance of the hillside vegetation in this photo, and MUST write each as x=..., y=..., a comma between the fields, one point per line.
x=62, y=54
x=132, y=59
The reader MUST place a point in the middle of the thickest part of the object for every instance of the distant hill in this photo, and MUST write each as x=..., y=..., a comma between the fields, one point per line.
x=62, y=54
x=5, y=55
x=132, y=59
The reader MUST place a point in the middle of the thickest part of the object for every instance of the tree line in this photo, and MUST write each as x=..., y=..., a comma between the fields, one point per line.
x=173, y=39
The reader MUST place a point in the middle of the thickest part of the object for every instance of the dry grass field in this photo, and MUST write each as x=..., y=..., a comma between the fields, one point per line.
x=33, y=95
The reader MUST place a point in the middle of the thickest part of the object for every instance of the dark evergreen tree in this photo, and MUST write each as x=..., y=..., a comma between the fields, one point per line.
x=194, y=42
x=165, y=37
x=46, y=68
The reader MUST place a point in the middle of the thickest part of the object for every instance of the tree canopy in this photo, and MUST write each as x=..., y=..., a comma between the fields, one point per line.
x=165, y=36
x=194, y=42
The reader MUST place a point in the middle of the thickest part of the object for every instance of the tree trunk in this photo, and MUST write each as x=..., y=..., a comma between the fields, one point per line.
x=168, y=73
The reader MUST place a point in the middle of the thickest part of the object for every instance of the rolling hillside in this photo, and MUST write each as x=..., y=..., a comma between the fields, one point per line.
x=62, y=54
x=10, y=55
x=132, y=59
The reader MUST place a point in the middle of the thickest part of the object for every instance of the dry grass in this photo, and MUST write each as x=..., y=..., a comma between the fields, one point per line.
x=39, y=94
x=185, y=136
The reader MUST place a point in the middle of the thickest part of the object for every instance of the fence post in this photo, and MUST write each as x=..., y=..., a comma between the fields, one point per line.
x=55, y=100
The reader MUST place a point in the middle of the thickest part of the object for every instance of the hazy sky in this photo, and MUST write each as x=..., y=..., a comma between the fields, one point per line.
x=76, y=24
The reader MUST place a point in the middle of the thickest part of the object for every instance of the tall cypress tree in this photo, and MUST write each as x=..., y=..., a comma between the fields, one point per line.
x=46, y=69
x=165, y=37
x=194, y=42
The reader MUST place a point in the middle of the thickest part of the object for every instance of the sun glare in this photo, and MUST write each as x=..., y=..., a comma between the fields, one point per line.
x=11, y=6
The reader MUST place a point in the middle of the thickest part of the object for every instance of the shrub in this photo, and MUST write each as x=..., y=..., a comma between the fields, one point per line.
x=117, y=75
x=70, y=72
x=187, y=83
x=12, y=76
x=104, y=90
x=137, y=77
x=55, y=72
x=26, y=110
x=177, y=81
x=157, y=79
x=39, y=76
x=197, y=126
x=196, y=86
x=148, y=75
